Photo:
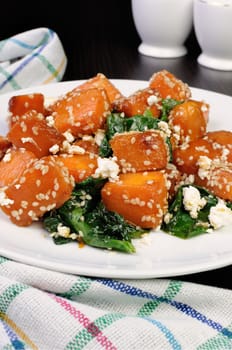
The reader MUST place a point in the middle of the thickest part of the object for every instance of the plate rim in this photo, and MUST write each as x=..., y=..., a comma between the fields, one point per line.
x=95, y=272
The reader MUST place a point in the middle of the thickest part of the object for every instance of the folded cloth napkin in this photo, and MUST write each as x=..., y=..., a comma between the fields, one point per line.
x=46, y=310
x=30, y=58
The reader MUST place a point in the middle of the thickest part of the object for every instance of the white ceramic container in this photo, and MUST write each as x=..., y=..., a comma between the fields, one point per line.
x=163, y=26
x=213, y=27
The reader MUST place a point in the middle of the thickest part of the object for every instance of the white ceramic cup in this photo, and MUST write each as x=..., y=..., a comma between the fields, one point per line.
x=163, y=26
x=213, y=28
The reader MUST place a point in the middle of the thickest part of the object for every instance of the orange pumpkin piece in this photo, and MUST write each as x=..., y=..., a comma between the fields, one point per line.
x=4, y=145
x=140, y=150
x=138, y=103
x=186, y=157
x=80, y=166
x=173, y=178
x=169, y=86
x=21, y=104
x=101, y=81
x=221, y=140
x=187, y=121
x=81, y=112
x=43, y=186
x=34, y=134
x=141, y=198
x=217, y=179
x=89, y=146
x=15, y=161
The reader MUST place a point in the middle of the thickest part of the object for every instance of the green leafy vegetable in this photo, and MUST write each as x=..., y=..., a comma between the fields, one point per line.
x=181, y=224
x=85, y=215
x=167, y=105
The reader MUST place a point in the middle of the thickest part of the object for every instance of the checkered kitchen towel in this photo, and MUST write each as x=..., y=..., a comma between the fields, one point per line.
x=30, y=58
x=48, y=310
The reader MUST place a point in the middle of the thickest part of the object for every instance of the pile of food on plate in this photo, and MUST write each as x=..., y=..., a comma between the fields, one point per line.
x=100, y=168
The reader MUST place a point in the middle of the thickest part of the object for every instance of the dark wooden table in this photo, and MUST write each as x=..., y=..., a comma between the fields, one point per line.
x=101, y=37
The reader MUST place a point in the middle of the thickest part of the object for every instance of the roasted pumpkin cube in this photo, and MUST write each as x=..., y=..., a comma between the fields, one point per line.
x=44, y=186
x=101, y=81
x=140, y=150
x=80, y=166
x=141, y=198
x=221, y=140
x=138, y=103
x=81, y=112
x=34, y=134
x=169, y=86
x=217, y=179
x=15, y=161
x=21, y=104
x=188, y=121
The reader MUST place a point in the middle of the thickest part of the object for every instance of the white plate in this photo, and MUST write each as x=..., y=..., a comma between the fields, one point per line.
x=161, y=255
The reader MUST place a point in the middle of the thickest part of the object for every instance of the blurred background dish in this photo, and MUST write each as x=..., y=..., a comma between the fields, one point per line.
x=213, y=28
x=163, y=26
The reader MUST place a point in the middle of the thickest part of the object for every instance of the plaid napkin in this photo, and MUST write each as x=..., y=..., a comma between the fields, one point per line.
x=30, y=58
x=46, y=310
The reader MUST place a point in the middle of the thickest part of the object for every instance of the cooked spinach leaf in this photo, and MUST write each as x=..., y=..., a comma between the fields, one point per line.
x=167, y=105
x=181, y=224
x=85, y=214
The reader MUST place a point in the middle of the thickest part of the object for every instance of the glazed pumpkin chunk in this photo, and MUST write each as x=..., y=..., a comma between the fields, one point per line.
x=138, y=103
x=80, y=166
x=140, y=150
x=216, y=177
x=101, y=81
x=141, y=198
x=186, y=157
x=43, y=186
x=81, y=112
x=15, y=161
x=21, y=104
x=89, y=146
x=222, y=141
x=169, y=86
x=173, y=179
x=188, y=121
x=34, y=134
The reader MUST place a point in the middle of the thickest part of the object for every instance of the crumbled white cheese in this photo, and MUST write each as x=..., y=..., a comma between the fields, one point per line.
x=192, y=200
x=72, y=149
x=152, y=100
x=100, y=133
x=220, y=215
x=107, y=168
x=167, y=217
x=63, y=231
